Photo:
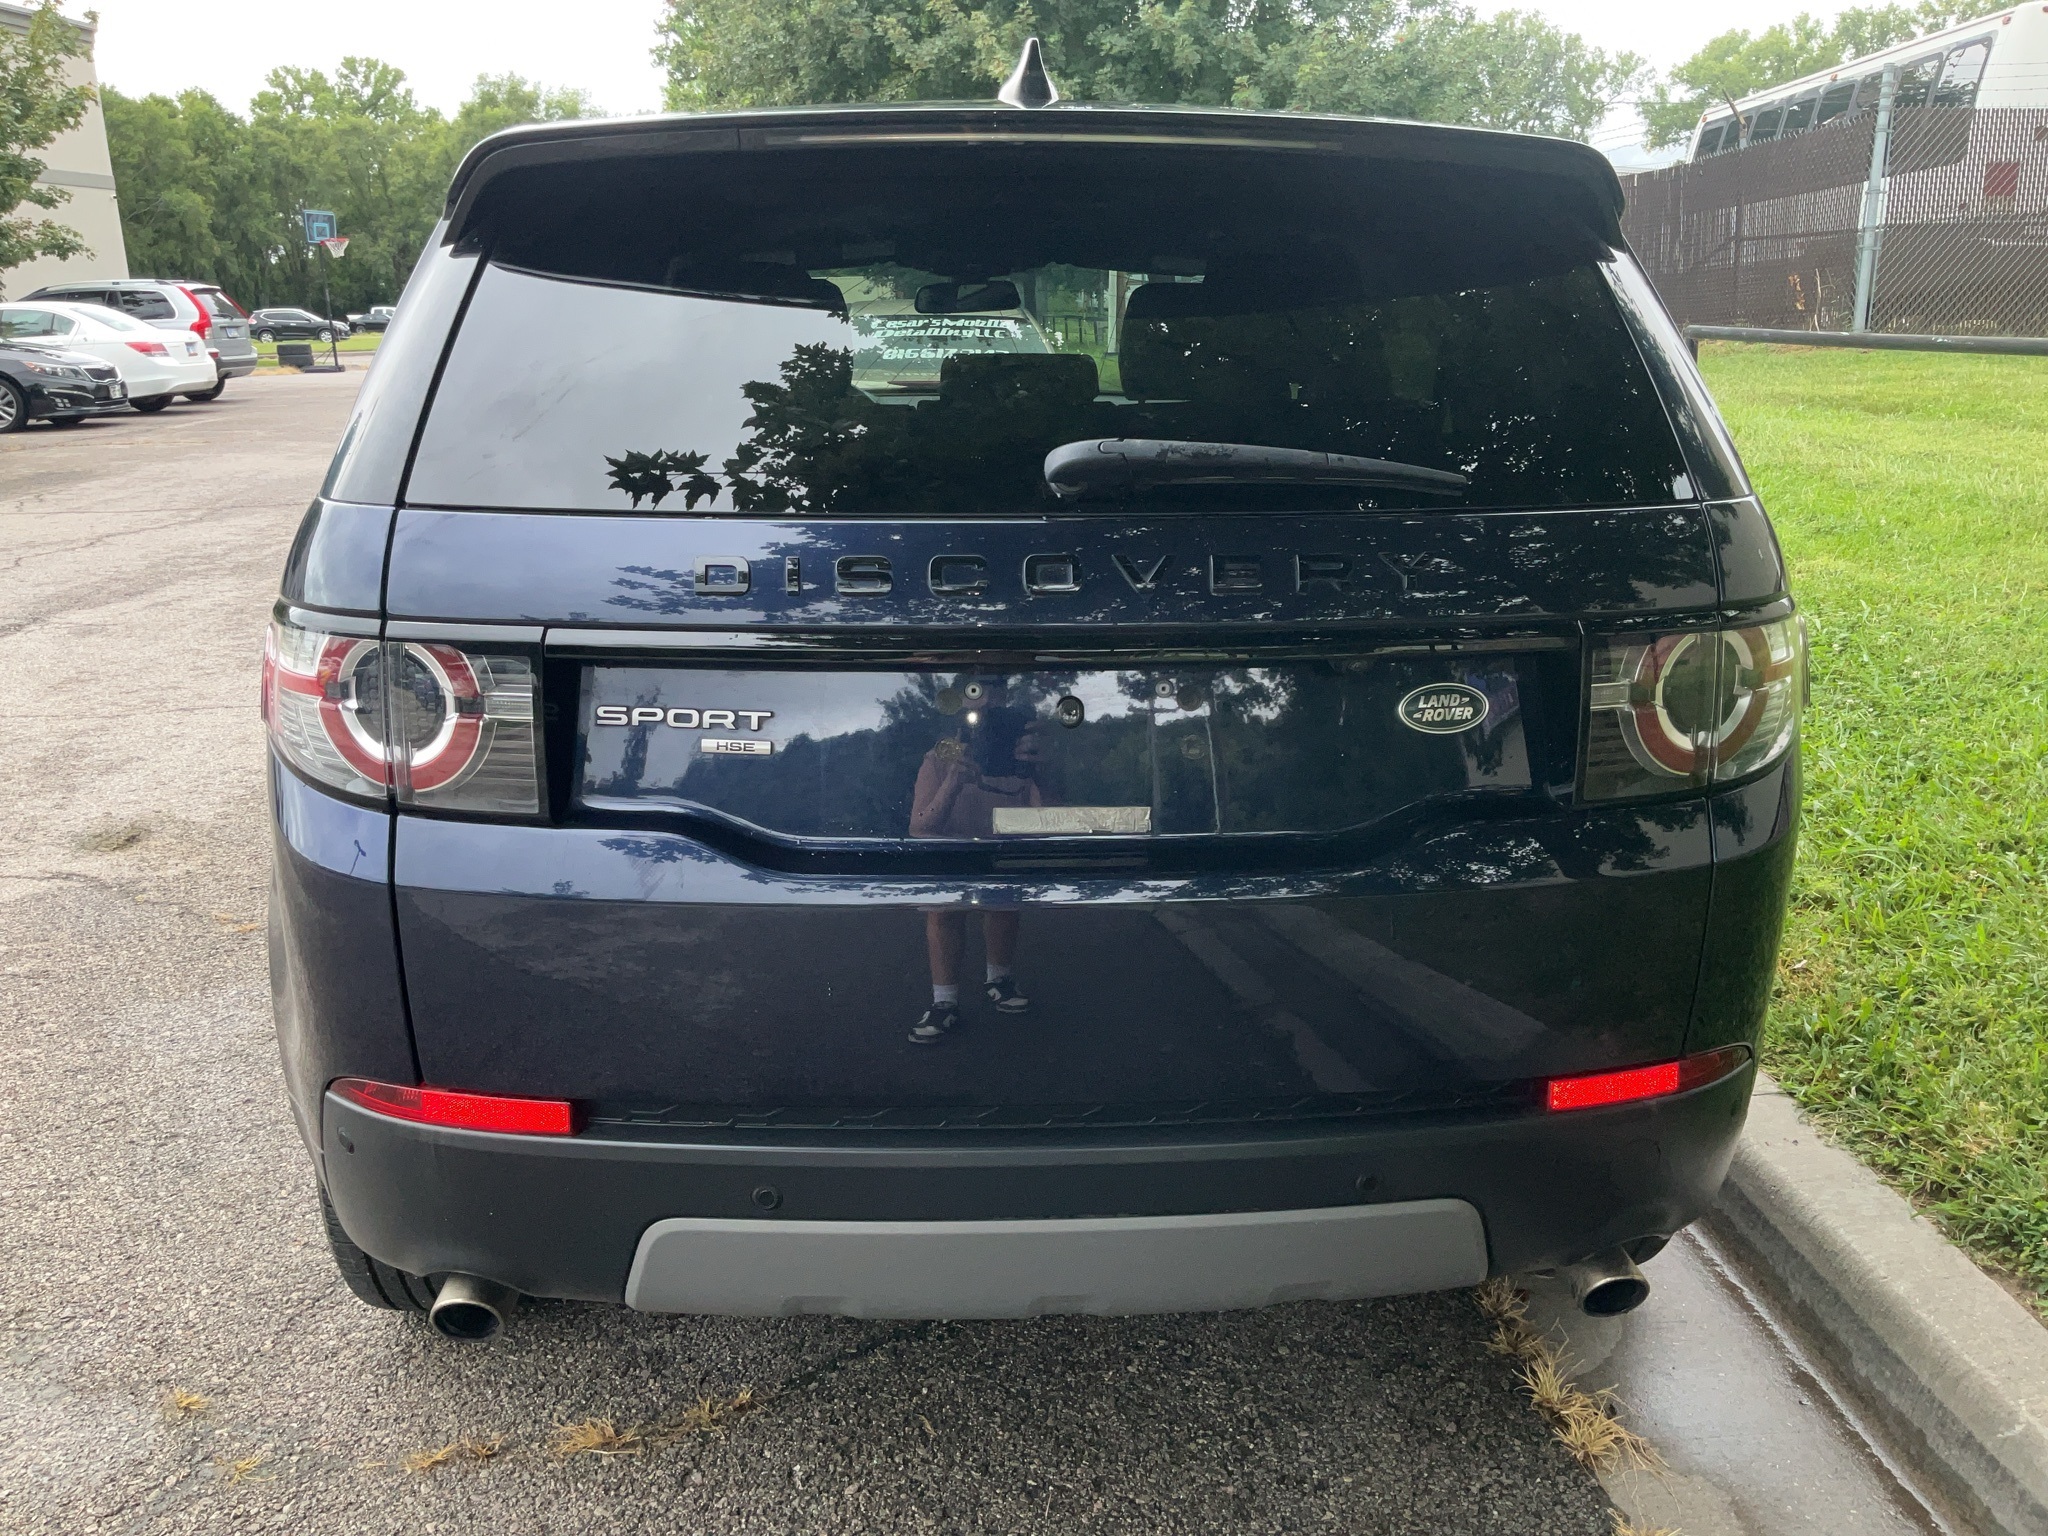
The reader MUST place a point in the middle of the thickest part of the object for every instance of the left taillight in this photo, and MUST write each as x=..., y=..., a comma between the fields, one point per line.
x=204, y=324
x=428, y=724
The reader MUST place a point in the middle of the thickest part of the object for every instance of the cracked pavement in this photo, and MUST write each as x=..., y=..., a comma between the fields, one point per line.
x=157, y=1222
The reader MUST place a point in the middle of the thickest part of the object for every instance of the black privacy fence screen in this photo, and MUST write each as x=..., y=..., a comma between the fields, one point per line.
x=1928, y=220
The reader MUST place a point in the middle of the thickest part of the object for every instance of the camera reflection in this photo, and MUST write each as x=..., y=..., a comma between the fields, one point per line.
x=990, y=761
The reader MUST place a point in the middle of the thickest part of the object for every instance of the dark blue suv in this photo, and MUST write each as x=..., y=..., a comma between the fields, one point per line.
x=952, y=711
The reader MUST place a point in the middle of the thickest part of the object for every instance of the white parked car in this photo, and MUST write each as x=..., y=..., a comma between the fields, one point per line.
x=155, y=364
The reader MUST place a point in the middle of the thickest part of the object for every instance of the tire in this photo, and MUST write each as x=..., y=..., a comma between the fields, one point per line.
x=152, y=405
x=375, y=1283
x=208, y=394
x=266, y=335
x=13, y=408
x=325, y=336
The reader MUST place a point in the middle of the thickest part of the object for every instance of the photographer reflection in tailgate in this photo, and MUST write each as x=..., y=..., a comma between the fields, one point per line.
x=992, y=762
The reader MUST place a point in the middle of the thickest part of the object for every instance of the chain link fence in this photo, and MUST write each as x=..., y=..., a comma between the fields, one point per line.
x=1955, y=234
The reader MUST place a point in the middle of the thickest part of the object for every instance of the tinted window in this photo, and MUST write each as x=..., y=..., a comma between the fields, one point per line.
x=19, y=323
x=1798, y=116
x=1916, y=81
x=913, y=332
x=145, y=304
x=1711, y=138
x=1963, y=73
x=222, y=306
x=1836, y=101
x=1767, y=122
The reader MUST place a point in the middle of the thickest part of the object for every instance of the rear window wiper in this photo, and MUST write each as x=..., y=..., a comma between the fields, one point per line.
x=1097, y=465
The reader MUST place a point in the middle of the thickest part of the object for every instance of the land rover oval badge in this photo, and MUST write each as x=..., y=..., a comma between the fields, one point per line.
x=1443, y=709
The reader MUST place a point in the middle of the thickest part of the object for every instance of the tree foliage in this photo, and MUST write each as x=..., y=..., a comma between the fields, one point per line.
x=207, y=193
x=36, y=104
x=1433, y=59
x=1736, y=63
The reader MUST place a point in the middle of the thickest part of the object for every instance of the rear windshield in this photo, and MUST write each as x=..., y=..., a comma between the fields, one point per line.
x=917, y=331
x=144, y=304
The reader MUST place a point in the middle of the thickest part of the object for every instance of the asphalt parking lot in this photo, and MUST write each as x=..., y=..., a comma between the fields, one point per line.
x=158, y=1233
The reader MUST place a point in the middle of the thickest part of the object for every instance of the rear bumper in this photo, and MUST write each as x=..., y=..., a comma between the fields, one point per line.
x=931, y=1227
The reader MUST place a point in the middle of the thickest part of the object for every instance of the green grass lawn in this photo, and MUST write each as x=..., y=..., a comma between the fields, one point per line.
x=362, y=341
x=1911, y=493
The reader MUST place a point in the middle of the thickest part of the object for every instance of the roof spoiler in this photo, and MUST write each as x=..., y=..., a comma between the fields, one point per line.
x=1029, y=88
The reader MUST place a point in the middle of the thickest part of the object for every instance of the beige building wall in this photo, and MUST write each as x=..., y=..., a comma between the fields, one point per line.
x=78, y=162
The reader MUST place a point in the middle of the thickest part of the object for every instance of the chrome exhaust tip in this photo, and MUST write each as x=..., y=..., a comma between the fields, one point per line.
x=471, y=1310
x=1607, y=1285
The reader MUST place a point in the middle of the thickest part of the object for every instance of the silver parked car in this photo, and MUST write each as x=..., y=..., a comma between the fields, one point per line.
x=201, y=308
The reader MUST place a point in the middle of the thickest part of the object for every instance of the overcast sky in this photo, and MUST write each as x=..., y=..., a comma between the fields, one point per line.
x=226, y=46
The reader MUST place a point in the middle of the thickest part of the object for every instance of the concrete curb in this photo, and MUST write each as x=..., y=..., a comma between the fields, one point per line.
x=1953, y=1368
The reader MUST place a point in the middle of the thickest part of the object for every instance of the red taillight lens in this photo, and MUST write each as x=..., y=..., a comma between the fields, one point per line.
x=462, y=721
x=150, y=348
x=1594, y=1089
x=461, y=1111
x=323, y=699
x=1676, y=711
x=204, y=323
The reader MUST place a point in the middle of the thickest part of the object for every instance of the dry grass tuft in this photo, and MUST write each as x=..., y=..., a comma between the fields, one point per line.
x=237, y=1472
x=1623, y=1526
x=1587, y=1424
x=426, y=1461
x=708, y=1416
x=454, y=1450
x=598, y=1437
x=1504, y=1307
x=234, y=922
x=603, y=1437
x=183, y=1402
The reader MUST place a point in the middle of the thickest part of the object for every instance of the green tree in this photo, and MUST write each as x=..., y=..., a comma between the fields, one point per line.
x=1735, y=64
x=166, y=187
x=36, y=104
x=208, y=193
x=1413, y=58
x=497, y=102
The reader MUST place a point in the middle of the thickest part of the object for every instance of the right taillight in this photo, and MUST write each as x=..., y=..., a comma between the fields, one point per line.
x=1692, y=707
x=427, y=724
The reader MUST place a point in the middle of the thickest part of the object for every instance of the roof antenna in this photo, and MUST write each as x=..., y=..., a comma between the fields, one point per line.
x=1029, y=85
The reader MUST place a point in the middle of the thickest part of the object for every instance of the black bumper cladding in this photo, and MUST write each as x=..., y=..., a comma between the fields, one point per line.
x=566, y=1217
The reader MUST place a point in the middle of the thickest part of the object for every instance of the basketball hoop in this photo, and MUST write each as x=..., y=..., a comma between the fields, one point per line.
x=336, y=246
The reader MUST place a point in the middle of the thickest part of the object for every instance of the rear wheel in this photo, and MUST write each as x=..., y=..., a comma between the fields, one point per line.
x=13, y=409
x=152, y=405
x=375, y=1283
x=207, y=394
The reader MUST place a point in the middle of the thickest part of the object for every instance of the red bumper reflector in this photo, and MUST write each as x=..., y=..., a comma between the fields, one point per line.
x=1595, y=1089
x=461, y=1111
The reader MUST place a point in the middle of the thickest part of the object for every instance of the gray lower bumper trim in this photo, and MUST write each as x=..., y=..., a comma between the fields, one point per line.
x=1104, y=1265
